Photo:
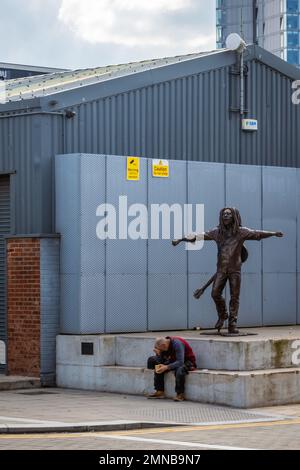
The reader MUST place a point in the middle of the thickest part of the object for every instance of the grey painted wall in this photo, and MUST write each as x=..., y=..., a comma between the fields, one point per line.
x=126, y=286
x=50, y=306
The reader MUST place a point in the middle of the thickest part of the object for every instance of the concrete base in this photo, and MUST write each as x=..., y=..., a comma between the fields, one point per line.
x=245, y=372
x=236, y=389
x=12, y=382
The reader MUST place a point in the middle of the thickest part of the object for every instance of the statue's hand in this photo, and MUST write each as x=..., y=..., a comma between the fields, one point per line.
x=198, y=292
x=279, y=234
x=190, y=238
x=175, y=242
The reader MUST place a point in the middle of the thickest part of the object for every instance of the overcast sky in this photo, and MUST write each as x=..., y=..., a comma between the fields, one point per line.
x=84, y=33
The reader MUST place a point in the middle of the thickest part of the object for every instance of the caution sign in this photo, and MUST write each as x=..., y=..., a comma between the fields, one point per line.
x=133, y=168
x=160, y=168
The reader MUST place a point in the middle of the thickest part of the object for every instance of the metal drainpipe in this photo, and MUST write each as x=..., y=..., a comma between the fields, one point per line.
x=242, y=107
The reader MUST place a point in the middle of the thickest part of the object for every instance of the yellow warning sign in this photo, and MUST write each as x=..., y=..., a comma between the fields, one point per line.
x=133, y=168
x=160, y=168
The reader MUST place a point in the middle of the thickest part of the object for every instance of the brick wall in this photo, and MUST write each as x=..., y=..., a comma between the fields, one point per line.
x=23, y=306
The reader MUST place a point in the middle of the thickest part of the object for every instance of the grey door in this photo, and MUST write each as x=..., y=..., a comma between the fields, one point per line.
x=4, y=230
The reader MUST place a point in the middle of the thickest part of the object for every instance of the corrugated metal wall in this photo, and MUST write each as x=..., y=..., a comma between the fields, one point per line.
x=27, y=147
x=4, y=230
x=187, y=118
x=190, y=118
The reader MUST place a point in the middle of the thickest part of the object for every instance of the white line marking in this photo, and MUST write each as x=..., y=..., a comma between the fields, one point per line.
x=175, y=443
x=28, y=420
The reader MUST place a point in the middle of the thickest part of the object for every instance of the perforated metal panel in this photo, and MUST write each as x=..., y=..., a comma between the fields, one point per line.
x=125, y=256
x=167, y=301
x=279, y=254
x=126, y=302
x=167, y=266
x=93, y=193
x=127, y=285
x=4, y=230
x=202, y=264
x=244, y=191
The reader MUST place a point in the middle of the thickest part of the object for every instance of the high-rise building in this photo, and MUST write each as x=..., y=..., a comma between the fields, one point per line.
x=272, y=24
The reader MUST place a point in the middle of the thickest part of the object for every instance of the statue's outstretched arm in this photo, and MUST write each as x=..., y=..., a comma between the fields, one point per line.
x=193, y=238
x=260, y=234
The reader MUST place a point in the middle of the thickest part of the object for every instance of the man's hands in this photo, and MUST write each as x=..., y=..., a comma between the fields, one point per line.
x=278, y=234
x=162, y=368
x=157, y=351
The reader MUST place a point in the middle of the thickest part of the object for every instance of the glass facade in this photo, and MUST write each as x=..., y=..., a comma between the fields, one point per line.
x=274, y=26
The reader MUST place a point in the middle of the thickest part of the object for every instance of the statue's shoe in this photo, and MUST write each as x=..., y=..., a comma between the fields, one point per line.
x=232, y=330
x=220, y=322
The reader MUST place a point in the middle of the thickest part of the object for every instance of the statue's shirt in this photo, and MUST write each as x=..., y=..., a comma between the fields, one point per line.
x=230, y=246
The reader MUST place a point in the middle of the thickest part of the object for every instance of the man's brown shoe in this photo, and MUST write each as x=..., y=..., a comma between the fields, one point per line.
x=156, y=394
x=179, y=397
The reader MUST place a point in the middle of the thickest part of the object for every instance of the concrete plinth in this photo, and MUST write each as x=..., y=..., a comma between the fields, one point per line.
x=249, y=371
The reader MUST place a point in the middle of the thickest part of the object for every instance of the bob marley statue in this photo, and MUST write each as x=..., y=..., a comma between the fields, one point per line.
x=230, y=237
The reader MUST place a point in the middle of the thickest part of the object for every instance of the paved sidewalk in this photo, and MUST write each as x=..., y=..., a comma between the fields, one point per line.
x=57, y=410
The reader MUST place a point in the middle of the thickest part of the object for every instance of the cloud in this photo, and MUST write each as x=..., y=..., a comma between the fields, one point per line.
x=134, y=23
x=87, y=33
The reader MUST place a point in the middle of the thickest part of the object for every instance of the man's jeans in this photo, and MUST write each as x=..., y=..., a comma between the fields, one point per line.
x=180, y=373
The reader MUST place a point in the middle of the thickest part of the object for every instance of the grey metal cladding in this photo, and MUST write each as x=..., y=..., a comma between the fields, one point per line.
x=179, y=112
x=244, y=191
x=92, y=194
x=189, y=118
x=50, y=302
x=167, y=301
x=201, y=312
x=70, y=304
x=125, y=256
x=169, y=191
x=68, y=200
x=280, y=262
x=92, y=303
x=201, y=180
x=126, y=303
x=280, y=213
x=279, y=299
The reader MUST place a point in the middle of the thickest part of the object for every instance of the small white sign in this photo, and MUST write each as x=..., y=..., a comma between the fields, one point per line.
x=249, y=124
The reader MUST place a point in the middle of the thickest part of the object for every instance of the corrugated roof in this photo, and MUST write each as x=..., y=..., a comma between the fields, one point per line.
x=45, y=85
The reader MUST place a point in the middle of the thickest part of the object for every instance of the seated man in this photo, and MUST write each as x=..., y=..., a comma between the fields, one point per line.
x=172, y=353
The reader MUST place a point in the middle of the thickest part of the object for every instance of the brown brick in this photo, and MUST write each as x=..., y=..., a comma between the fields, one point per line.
x=23, y=306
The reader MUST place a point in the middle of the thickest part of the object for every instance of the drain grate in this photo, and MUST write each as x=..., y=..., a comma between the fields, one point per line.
x=201, y=414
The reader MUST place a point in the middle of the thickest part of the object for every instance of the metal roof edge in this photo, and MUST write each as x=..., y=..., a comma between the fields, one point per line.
x=132, y=81
x=30, y=68
x=20, y=106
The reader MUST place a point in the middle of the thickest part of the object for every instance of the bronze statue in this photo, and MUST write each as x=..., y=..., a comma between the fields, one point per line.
x=230, y=237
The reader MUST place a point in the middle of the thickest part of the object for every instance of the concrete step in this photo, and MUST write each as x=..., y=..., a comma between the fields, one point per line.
x=244, y=353
x=12, y=382
x=242, y=389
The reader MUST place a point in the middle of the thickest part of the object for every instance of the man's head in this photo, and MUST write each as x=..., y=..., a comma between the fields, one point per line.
x=162, y=344
x=229, y=217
